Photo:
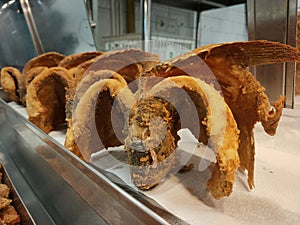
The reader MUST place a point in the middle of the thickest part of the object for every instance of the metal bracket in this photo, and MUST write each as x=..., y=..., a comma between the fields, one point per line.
x=32, y=27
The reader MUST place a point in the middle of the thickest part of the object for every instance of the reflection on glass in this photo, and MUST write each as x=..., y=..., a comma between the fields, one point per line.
x=63, y=28
x=16, y=47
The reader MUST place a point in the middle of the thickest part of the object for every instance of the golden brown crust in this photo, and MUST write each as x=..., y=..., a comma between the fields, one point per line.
x=150, y=143
x=122, y=65
x=4, y=202
x=245, y=96
x=130, y=63
x=211, y=109
x=46, y=98
x=70, y=141
x=32, y=73
x=82, y=68
x=4, y=191
x=48, y=59
x=243, y=93
x=9, y=216
x=93, y=77
x=222, y=134
x=75, y=93
x=74, y=60
x=92, y=120
x=250, y=53
x=73, y=96
x=13, y=83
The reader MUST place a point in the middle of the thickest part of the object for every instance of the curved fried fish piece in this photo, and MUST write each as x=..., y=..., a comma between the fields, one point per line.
x=70, y=92
x=38, y=64
x=71, y=62
x=13, y=83
x=99, y=115
x=242, y=92
x=46, y=99
x=32, y=73
x=48, y=59
x=130, y=63
x=151, y=142
x=82, y=68
x=71, y=104
x=91, y=78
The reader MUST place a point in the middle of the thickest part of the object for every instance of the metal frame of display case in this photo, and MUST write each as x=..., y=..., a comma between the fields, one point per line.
x=32, y=27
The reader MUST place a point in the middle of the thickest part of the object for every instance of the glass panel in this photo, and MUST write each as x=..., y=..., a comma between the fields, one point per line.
x=16, y=47
x=63, y=28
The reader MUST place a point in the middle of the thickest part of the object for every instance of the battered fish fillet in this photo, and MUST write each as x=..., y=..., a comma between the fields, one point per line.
x=123, y=65
x=35, y=66
x=161, y=112
x=242, y=92
x=71, y=62
x=46, y=99
x=130, y=63
x=13, y=83
x=48, y=59
x=32, y=73
x=87, y=81
x=91, y=78
x=92, y=124
x=82, y=68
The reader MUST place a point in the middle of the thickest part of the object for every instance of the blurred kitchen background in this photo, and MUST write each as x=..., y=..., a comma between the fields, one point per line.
x=32, y=27
x=188, y=23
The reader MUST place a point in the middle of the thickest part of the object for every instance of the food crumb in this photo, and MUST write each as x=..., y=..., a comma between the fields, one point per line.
x=186, y=168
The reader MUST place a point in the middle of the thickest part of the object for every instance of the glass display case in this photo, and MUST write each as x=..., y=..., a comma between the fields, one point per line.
x=55, y=186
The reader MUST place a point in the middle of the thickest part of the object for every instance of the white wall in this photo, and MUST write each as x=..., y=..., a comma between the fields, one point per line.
x=170, y=23
x=223, y=25
x=167, y=23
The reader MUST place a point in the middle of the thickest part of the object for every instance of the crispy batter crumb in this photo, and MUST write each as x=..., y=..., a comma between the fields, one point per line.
x=186, y=168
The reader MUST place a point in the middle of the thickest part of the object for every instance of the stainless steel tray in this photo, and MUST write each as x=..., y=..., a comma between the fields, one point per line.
x=17, y=203
x=57, y=187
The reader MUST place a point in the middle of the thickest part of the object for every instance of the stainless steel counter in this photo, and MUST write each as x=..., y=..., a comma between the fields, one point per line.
x=56, y=187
